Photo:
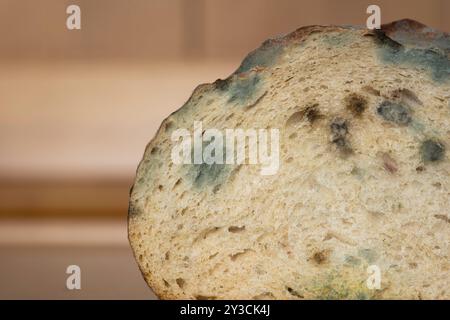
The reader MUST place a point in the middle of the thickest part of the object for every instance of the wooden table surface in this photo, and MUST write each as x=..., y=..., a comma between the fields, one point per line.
x=34, y=256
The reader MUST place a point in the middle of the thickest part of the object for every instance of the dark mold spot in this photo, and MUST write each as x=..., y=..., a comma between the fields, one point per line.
x=420, y=169
x=320, y=257
x=394, y=112
x=222, y=85
x=339, y=132
x=356, y=104
x=437, y=185
x=264, y=56
x=312, y=113
x=132, y=210
x=432, y=151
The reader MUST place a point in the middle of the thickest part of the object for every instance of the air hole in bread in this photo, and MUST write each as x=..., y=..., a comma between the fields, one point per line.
x=180, y=282
x=213, y=256
x=177, y=183
x=294, y=293
x=372, y=90
x=406, y=96
x=264, y=296
x=206, y=233
x=294, y=119
x=231, y=115
x=203, y=297
x=236, y=229
x=240, y=254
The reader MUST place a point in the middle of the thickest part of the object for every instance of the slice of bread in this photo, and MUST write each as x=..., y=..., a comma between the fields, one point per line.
x=362, y=193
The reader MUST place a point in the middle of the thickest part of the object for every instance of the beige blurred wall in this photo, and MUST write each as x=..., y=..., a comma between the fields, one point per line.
x=78, y=107
x=181, y=29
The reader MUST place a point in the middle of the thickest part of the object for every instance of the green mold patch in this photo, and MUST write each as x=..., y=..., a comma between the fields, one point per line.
x=369, y=255
x=265, y=56
x=204, y=176
x=434, y=61
x=339, y=285
x=432, y=150
x=352, y=260
x=412, y=33
x=394, y=112
x=338, y=39
x=243, y=90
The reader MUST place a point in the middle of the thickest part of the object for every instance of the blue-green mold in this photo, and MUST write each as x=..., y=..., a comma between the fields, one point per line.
x=265, y=56
x=433, y=59
x=243, y=90
x=205, y=175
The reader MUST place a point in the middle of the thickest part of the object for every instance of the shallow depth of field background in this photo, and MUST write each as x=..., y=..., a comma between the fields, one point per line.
x=78, y=107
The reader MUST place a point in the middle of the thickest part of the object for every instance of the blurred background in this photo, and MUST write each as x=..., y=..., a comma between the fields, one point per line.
x=77, y=108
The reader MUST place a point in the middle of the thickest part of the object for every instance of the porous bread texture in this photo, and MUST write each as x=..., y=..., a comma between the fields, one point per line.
x=364, y=126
